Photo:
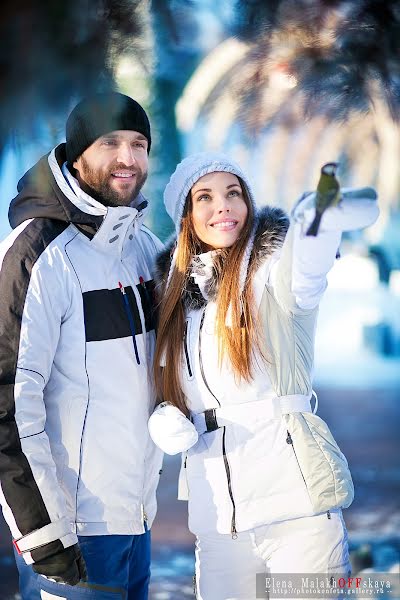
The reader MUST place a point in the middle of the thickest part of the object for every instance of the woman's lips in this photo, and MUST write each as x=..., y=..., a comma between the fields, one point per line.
x=224, y=225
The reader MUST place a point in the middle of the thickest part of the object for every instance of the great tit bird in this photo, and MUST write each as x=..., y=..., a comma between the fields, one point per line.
x=328, y=194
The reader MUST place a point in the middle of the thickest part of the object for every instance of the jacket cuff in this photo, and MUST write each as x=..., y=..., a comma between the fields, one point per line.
x=58, y=530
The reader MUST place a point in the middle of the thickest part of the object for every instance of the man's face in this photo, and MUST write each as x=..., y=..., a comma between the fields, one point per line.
x=114, y=168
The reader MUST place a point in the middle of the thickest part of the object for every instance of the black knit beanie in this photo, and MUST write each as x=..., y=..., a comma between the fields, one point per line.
x=100, y=114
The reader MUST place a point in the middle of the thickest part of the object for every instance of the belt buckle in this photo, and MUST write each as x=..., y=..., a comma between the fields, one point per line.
x=211, y=420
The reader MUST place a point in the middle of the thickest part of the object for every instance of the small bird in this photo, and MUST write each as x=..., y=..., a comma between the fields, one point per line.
x=328, y=194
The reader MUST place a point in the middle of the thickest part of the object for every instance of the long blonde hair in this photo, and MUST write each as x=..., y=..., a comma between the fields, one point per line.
x=238, y=339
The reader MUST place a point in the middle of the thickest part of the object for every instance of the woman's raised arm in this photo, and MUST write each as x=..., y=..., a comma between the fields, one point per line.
x=298, y=274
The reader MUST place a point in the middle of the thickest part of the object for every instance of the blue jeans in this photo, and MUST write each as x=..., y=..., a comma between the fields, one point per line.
x=118, y=568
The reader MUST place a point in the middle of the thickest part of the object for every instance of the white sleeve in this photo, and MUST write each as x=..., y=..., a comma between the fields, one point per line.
x=33, y=503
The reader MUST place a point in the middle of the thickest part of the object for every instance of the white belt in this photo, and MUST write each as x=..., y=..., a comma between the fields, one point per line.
x=245, y=412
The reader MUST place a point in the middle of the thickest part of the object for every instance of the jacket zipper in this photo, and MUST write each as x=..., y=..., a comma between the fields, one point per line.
x=130, y=320
x=185, y=470
x=144, y=516
x=226, y=463
x=201, y=359
x=290, y=441
x=228, y=475
x=185, y=344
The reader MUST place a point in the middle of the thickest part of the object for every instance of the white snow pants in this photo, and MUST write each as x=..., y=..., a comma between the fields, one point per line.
x=226, y=568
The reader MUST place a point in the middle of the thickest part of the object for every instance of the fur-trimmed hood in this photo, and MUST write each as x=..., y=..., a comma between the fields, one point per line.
x=271, y=226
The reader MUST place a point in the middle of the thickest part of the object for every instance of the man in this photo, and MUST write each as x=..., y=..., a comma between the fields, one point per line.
x=78, y=470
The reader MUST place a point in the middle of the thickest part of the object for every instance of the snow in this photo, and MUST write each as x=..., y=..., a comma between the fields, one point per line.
x=356, y=309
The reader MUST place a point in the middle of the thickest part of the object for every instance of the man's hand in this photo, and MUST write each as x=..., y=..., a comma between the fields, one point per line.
x=67, y=566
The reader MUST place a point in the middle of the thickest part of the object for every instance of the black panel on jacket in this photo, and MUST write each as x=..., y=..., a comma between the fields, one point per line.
x=106, y=313
x=18, y=484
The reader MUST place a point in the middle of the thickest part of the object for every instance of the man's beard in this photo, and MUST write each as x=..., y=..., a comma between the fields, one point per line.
x=97, y=184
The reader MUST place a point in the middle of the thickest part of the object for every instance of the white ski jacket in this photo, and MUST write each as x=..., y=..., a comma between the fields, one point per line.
x=75, y=352
x=259, y=454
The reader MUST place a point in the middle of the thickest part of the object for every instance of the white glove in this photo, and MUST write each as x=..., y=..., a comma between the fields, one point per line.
x=170, y=430
x=357, y=209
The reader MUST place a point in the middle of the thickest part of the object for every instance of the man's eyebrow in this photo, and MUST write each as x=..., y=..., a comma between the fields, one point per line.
x=115, y=136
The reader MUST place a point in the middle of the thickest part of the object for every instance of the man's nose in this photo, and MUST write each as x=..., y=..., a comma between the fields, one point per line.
x=126, y=155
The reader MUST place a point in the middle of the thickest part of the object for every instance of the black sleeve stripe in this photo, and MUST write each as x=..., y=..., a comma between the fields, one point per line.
x=18, y=484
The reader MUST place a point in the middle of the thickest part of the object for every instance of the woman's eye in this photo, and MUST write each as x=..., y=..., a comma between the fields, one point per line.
x=233, y=193
x=203, y=197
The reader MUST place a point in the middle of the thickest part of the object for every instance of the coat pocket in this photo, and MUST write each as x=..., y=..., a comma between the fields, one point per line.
x=322, y=464
x=50, y=590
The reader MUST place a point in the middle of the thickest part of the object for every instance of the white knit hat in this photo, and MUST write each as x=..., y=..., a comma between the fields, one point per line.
x=188, y=172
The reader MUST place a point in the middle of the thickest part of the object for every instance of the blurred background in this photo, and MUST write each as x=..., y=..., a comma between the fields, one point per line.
x=282, y=86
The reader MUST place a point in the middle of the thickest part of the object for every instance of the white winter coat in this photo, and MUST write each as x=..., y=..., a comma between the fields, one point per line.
x=271, y=459
x=75, y=398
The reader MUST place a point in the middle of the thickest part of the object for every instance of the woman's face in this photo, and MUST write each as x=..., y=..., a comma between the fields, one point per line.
x=219, y=210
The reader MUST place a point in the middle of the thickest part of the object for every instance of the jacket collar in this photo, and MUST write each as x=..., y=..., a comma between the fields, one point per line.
x=116, y=225
x=119, y=227
x=40, y=196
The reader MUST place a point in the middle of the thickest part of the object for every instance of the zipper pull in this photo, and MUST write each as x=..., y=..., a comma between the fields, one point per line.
x=328, y=514
x=289, y=439
x=144, y=516
x=142, y=206
x=234, y=533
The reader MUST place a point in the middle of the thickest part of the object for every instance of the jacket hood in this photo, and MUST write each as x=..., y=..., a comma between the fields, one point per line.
x=41, y=196
x=270, y=230
x=188, y=172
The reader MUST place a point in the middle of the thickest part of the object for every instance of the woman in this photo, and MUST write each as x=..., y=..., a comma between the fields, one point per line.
x=265, y=479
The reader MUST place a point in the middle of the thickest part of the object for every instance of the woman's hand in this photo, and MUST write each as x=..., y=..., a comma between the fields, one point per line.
x=357, y=209
x=298, y=277
x=171, y=430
